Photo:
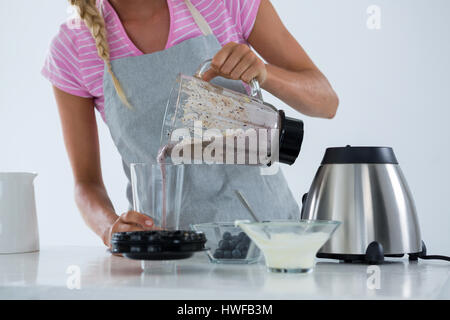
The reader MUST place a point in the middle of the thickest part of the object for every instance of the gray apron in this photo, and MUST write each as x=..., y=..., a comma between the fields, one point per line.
x=208, y=190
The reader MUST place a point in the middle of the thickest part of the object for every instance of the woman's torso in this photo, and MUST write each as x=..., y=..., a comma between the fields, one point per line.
x=209, y=193
x=74, y=66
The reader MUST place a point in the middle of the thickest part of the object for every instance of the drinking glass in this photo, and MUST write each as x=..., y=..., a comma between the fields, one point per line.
x=157, y=191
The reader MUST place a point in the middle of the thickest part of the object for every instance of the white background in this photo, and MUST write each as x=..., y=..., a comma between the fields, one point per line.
x=393, y=85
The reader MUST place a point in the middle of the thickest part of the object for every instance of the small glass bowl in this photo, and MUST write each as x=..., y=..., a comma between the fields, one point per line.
x=228, y=244
x=289, y=246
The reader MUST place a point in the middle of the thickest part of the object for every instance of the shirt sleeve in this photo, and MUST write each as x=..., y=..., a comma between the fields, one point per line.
x=61, y=65
x=244, y=13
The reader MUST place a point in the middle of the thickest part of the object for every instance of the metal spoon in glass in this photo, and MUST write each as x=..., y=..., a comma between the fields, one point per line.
x=249, y=209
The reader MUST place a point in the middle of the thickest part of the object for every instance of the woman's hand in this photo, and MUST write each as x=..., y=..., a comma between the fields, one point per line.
x=130, y=221
x=237, y=62
x=287, y=71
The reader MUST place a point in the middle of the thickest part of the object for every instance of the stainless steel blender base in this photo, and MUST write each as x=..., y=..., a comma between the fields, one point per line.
x=372, y=201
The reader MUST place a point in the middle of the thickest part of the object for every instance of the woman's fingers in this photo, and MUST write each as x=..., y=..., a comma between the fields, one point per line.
x=125, y=227
x=131, y=221
x=121, y=226
x=133, y=217
x=234, y=58
x=210, y=74
x=217, y=62
x=222, y=56
x=238, y=62
x=255, y=72
x=246, y=62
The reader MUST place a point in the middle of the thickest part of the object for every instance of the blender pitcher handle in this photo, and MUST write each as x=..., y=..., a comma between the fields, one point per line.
x=203, y=68
x=254, y=84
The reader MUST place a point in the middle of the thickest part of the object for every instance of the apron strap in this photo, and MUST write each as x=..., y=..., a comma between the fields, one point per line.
x=199, y=19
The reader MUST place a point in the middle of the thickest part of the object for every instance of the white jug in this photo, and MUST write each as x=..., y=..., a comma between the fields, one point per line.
x=18, y=220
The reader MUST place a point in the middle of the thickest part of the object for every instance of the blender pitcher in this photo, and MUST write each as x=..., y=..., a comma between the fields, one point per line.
x=244, y=129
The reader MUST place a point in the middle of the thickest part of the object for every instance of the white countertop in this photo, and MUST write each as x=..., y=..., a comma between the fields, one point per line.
x=45, y=274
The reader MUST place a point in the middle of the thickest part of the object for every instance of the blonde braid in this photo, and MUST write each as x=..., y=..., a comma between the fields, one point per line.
x=93, y=19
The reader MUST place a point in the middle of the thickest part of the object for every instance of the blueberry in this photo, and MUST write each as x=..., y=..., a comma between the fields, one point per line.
x=242, y=247
x=243, y=236
x=224, y=244
x=218, y=254
x=233, y=243
x=227, y=254
x=226, y=236
x=236, y=254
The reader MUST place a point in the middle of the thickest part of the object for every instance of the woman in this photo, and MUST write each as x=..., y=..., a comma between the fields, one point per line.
x=128, y=53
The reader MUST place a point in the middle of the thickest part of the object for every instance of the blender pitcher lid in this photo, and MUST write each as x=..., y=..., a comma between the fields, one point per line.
x=349, y=154
x=291, y=138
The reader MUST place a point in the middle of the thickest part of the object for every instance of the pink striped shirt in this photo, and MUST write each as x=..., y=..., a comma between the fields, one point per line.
x=73, y=65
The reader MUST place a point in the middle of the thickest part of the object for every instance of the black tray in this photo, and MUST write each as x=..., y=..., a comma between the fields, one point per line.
x=160, y=256
x=158, y=245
